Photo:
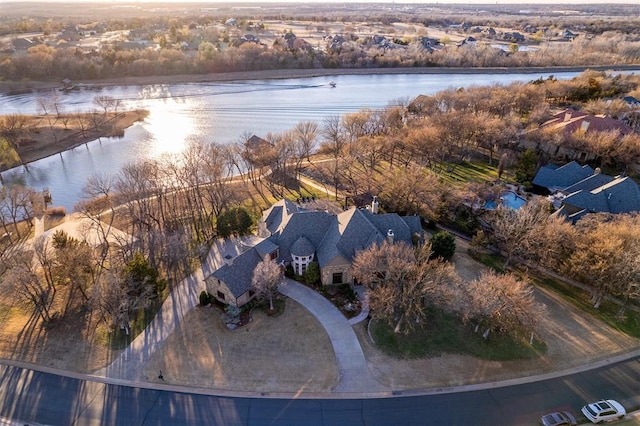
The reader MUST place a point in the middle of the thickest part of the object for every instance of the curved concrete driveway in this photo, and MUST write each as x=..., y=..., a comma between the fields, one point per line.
x=352, y=365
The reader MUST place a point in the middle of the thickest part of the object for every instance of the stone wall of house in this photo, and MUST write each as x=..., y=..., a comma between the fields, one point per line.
x=214, y=286
x=328, y=271
x=244, y=298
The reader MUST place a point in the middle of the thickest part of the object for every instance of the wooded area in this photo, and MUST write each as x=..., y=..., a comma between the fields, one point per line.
x=167, y=209
x=196, y=41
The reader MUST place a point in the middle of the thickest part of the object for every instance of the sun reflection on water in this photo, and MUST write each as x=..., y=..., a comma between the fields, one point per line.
x=171, y=126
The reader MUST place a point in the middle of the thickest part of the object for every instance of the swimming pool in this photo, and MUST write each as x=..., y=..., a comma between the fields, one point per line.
x=509, y=199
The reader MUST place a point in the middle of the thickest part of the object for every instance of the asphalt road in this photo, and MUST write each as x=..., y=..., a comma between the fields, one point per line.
x=35, y=397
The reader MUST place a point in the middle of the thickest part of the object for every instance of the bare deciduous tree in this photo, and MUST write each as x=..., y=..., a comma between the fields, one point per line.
x=402, y=284
x=109, y=297
x=13, y=126
x=512, y=227
x=604, y=256
x=335, y=141
x=306, y=133
x=266, y=277
x=504, y=303
x=412, y=190
x=23, y=277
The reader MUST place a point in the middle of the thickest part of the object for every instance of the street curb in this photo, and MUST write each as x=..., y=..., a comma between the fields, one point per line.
x=329, y=395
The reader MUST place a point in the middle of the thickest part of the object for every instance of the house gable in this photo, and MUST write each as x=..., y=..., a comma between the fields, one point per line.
x=571, y=121
x=620, y=195
x=234, y=279
x=555, y=178
x=589, y=183
x=312, y=225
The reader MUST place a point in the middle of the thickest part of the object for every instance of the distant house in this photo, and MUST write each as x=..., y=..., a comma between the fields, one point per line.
x=69, y=34
x=378, y=39
x=335, y=42
x=430, y=43
x=250, y=38
x=469, y=41
x=555, y=178
x=571, y=121
x=568, y=35
x=290, y=39
x=295, y=236
x=513, y=37
x=578, y=190
x=631, y=102
x=22, y=44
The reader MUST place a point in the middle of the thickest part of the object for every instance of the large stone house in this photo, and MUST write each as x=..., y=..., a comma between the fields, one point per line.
x=293, y=235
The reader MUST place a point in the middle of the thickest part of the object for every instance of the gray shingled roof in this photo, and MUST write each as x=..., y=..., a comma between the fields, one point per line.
x=302, y=247
x=312, y=225
x=306, y=232
x=356, y=233
x=237, y=276
x=555, y=178
x=621, y=195
x=589, y=184
x=265, y=247
x=327, y=249
x=276, y=216
x=273, y=218
x=358, y=229
x=384, y=222
x=413, y=222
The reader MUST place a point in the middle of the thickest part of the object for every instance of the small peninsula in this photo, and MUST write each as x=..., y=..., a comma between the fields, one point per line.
x=33, y=137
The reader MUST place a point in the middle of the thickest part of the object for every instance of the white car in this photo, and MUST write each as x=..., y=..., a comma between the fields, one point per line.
x=603, y=411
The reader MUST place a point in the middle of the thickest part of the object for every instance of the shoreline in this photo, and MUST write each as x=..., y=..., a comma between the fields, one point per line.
x=12, y=87
x=9, y=88
x=43, y=143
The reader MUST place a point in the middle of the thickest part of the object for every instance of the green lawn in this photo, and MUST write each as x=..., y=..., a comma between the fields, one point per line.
x=469, y=172
x=490, y=259
x=445, y=333
x=118, y=339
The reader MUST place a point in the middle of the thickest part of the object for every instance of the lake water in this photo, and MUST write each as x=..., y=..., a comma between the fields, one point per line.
x=216, y=112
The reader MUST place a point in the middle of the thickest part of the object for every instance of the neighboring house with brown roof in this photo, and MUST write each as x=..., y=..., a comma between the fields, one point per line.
x=296, y=236
x=571, y=121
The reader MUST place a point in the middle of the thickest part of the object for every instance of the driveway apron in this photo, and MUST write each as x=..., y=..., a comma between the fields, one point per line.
x=352, y=364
